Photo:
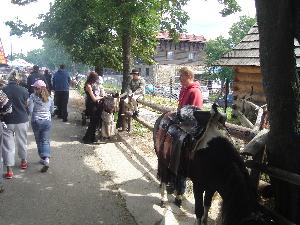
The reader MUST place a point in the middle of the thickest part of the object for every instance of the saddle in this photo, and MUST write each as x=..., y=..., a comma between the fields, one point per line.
x=176, y=135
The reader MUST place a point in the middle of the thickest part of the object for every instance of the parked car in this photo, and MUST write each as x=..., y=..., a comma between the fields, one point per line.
x=205, y=93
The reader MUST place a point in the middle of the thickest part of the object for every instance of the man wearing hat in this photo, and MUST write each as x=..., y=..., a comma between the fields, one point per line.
x=135, y=89
x=17, y=124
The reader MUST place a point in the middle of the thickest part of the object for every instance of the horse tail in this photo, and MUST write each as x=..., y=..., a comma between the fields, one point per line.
x=156, y=128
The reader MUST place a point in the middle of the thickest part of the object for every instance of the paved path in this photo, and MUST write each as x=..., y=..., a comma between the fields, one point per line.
x=106, y=183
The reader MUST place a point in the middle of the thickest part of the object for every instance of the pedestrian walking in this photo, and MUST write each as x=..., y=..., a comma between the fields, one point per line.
x=40, y=106
x=17, y=125
x=61, y=84
x=5, y=107
x=48, y=78
x=33, y=77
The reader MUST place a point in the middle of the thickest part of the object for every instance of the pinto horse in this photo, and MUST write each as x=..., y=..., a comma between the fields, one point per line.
x=175, y=136
x=213, y=164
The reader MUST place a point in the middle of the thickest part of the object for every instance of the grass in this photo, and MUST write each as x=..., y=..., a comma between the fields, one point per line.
x=111, y=87
x=161, y=100
x=138, y=129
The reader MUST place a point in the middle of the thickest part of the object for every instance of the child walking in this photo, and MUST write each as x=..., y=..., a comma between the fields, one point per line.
x=41, y=107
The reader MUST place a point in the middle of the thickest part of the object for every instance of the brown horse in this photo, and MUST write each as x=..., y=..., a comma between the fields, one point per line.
x=213, y=164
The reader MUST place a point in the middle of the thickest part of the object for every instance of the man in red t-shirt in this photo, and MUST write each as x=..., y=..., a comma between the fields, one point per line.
x=190, y=93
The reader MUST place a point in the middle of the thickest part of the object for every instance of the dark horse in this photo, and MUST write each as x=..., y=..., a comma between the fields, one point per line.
x=213, y=164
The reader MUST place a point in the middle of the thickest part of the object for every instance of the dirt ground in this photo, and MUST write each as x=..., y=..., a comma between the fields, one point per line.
x=106, y=183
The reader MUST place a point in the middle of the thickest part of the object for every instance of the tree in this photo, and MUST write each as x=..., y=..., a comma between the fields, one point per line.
x=214, y=49
x=51, y=55
x=239, y=29
x=278, y=24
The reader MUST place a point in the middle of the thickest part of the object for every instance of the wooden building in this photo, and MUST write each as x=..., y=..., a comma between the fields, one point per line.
x=171, y=55
x=244, y=58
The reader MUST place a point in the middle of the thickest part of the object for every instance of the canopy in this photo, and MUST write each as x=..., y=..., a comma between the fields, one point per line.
x=20, y=63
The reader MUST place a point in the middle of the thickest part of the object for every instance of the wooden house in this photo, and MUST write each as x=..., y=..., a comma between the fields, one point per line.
x=244, y=58
x=171, y=55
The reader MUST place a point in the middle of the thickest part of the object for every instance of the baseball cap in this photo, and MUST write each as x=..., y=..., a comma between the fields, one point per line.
x=135, y=71
x=39, y=84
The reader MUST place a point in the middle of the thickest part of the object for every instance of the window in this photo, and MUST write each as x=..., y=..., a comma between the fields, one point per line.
x=170, y=55
x=191, y=56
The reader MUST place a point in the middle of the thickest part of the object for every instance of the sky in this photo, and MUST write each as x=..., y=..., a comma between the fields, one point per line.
x=204, y=20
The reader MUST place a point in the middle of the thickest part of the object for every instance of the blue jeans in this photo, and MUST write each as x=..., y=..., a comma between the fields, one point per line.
x=42, y=130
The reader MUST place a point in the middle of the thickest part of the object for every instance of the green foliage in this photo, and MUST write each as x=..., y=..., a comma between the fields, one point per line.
x=51, y=55
x=162, y=100
x=111, y=33
x=230, y=6
x=239, y=30
x=139, y=129
x=112, y=87
x=22, y=2
x=214, y=49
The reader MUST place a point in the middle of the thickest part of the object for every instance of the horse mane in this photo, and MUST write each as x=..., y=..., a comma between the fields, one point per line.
x=227, y=172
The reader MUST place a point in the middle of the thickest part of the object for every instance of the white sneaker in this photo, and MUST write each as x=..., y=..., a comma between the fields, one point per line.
x=46, y=165
x=46, y=161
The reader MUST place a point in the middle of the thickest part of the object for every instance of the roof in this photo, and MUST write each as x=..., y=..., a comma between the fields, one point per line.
x=246, y=53
x=182, y=37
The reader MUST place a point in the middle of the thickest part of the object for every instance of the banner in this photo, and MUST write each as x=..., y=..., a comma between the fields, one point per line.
x=3, y=60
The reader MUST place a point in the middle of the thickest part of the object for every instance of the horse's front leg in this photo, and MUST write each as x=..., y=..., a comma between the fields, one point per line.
x=201, y=217
x=163, y=194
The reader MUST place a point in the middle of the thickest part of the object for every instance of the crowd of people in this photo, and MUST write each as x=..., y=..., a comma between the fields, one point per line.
x=21, y=102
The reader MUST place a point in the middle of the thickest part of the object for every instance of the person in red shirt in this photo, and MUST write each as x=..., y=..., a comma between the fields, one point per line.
x=190, y=93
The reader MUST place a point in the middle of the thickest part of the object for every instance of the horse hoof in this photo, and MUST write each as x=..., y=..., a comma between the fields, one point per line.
x=178, y=202
x=163, y=204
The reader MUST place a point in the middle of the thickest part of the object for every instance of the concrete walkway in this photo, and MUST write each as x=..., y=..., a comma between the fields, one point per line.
x=106, y=183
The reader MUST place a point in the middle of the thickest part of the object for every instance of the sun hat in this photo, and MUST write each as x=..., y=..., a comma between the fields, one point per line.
x=39, y=84
x=135, y=71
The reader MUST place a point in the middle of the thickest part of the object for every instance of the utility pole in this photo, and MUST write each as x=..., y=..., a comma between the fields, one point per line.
x=11, y=57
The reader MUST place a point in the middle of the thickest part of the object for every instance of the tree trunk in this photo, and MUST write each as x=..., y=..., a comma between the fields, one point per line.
x=276, y=23
x=126, y=47
x=99, y=70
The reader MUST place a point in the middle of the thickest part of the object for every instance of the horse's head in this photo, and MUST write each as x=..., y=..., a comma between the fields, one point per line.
x=214, y=123
x=111, y=103
x=214, y=115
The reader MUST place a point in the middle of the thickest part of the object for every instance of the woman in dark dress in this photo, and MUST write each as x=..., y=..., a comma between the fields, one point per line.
x=94, y=95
